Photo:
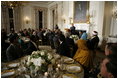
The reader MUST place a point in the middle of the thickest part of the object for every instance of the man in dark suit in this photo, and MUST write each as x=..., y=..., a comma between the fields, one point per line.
x=71, y=44
x=63, y=48
x=31, y=46
x=14, y=51
x=72, y=29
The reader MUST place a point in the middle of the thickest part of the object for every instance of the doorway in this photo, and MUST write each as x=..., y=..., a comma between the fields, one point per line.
x=11, y=21
x=53, y=20
x=40, y=19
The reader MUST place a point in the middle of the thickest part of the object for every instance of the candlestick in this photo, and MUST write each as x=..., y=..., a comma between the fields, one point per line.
x=46, y=74
x=58, y=65
x=57, y=69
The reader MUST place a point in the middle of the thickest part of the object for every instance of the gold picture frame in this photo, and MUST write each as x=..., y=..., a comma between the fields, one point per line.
x=81, y=12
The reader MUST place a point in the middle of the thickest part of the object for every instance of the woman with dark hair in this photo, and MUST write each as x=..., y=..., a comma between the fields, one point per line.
x=14, y=51
x=63, y=48
x=31, y=45
x=111, y=49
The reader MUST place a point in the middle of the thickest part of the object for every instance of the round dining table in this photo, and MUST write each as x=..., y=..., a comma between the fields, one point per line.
x=62, y=67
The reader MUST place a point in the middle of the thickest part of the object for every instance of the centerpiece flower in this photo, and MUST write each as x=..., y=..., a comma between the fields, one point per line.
x=74, y=37
x=39, y=60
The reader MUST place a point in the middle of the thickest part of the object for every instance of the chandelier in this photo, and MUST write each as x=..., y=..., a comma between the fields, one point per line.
x=11, y=4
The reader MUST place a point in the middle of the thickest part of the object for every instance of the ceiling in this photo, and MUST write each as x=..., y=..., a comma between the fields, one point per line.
x=41, y=2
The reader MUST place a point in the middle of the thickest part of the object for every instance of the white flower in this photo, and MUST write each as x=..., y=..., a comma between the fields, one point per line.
x=28, y=58
x=34, y=52
x=38, y=52
x=74, y=37
x=38, y=61
x=36, y=68
x=49, y=56
x=53, y=61
x=28, y=63
x=42, y=53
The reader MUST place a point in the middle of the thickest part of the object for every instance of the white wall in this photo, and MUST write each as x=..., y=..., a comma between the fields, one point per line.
x=27, y=13
x=65, y=11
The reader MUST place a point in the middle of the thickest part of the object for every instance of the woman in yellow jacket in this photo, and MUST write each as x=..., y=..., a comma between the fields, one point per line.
x=83, y=55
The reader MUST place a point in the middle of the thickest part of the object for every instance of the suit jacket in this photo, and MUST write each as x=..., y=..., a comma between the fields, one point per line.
x=13, y=52
x=31, y=48
x=93, y=42
x=72, y=46
x=63, y=49
x=73, y=30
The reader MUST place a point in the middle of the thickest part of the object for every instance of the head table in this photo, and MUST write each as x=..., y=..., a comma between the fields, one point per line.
x=28, y=67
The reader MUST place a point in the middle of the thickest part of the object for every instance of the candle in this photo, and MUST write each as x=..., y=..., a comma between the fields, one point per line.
x=46, y=74
x=58, y=65
x=57, y=69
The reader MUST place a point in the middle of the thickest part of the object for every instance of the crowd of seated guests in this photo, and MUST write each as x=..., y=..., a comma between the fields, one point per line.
x=16, y=47
x=83, y=51
x=13, y=51
x=9, y=49
x=108, y=67
x=55, y=38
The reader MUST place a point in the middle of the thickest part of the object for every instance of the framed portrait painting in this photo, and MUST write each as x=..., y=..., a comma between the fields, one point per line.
x=81, y=11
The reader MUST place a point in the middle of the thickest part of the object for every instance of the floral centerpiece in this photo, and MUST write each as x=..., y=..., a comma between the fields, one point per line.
x=39, y=60
x=74, y=37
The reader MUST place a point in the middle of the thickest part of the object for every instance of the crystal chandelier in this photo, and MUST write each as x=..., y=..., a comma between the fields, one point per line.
x=11, y=4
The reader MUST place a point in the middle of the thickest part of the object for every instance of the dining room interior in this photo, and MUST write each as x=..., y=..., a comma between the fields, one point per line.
x=58, y=39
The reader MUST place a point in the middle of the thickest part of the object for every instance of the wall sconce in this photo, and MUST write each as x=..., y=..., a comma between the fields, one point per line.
x=71, y=20
x=114, y=14
x=63, y=18
x=27, y=20
x=91, y=14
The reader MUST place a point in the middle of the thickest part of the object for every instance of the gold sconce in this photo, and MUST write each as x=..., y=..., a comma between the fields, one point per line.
x=71, y=20
x=63, y=18
x=114, y=14
x=64, y=21
x=11, y=4
x=27, y=20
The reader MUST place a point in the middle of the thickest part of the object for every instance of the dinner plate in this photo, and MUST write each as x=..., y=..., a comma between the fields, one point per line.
x=12, y=65
x=68, y=60
x=69, y=76
x=73, y=68
x=56, y=56
x=7, y=73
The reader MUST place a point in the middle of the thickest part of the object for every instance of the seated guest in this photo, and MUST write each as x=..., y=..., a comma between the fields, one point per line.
x=94, y=40
x=23, y=45
x=50, y=37
x=84, y=36
x=13, y=51
x=111, y=49
x=63, y=48
x=83, y=54
x=109, y=67
x=56, y=39
x=80, y=33
x=31, y=46
x=4, y=44
x=71, y=44
x=92, y=43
